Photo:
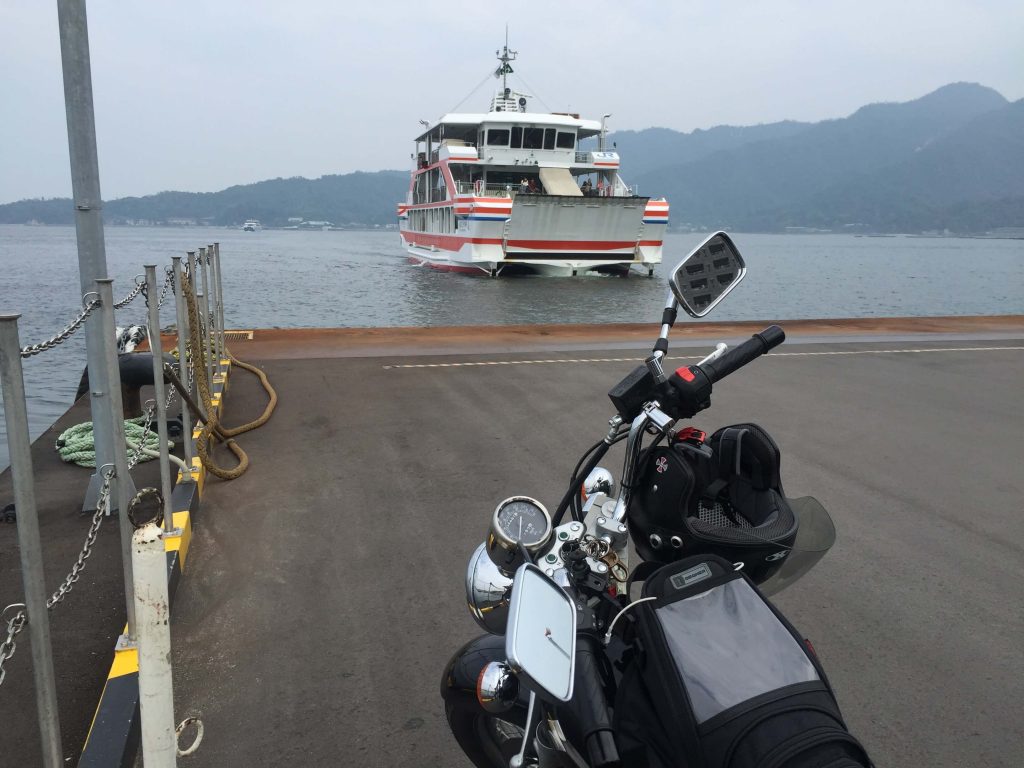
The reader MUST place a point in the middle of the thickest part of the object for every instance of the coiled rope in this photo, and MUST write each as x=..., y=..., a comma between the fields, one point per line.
x=76, y=444
x=211, y=425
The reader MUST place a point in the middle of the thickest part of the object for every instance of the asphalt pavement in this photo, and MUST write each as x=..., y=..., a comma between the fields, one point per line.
x=325, y=586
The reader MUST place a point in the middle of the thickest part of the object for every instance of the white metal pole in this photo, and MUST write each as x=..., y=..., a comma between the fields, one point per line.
x=156, y=347
x=16, y=414
x=182, y=322
x=122, y=487
x=153, y=611
x=204, y=311
x=85, y=188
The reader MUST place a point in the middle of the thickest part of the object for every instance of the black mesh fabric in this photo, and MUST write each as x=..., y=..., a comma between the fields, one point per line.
x=714, y=521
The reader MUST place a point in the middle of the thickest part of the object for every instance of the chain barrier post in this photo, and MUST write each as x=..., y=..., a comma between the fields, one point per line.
x=204, y=311
x=157, y=348
x=182, y=325
x=122, y=484
x=20, y=449
x=85, y=186
x=211, y=304
x=152, y=610
x=198, y=358
x=219, y=288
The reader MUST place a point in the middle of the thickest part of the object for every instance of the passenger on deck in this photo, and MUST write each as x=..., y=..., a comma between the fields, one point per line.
x=586, y=187
x=524, y=187
x=533, y=187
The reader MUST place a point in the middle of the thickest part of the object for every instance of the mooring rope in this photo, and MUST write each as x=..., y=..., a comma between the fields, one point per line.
x=211, y=425
x=77, y=444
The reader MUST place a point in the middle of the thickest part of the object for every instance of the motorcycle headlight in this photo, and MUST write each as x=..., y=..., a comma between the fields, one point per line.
x=488, y=592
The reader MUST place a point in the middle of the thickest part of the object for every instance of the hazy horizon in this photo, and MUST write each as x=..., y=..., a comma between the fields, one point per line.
x=198, y=98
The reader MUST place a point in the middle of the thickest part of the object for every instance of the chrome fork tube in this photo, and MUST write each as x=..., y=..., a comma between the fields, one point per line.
x=633, y=443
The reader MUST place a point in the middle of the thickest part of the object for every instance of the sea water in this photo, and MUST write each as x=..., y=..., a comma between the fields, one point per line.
x=294, y=279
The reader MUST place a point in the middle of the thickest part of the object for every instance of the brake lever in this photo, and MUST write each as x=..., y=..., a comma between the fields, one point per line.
x=720, y=349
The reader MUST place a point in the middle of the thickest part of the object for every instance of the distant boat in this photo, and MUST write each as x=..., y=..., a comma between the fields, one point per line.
x=252, y=225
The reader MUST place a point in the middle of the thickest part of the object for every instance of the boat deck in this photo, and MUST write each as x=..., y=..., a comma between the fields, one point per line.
x=324, y=589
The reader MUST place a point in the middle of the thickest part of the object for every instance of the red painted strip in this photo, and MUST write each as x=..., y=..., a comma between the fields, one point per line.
x=448, y=242
x=651, y=242
x=612, y=165
x=424, y=206
x=571, y=245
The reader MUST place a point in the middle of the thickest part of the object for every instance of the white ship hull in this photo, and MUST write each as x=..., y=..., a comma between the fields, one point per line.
x=544, y=234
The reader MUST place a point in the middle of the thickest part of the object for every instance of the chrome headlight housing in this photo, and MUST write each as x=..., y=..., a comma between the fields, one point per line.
x=488, y=591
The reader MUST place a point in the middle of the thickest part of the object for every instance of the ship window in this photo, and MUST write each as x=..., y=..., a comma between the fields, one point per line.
x=497, y=137
x=517, y=138
x=533, y=138
x=566, y=140
x=549, y=138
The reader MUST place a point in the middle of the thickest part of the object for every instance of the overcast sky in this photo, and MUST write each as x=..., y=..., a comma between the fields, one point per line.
x=197, y=96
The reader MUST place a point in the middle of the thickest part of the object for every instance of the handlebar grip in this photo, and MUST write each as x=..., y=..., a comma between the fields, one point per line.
x=590, y=708
x=749, y=350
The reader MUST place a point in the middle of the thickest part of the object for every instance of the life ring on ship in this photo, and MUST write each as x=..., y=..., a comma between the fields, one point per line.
x=478, y=187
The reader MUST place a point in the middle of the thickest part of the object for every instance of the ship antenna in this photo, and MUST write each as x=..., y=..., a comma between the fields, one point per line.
x=505, y=56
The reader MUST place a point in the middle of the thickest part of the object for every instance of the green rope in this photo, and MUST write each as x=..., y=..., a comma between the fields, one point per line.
x=76, y=444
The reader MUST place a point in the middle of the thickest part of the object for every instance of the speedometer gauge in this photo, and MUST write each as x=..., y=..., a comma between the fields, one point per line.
x=517, y=520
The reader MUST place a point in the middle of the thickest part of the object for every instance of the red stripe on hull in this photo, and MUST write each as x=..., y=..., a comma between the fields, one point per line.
x=448, y=242
x=572, y=245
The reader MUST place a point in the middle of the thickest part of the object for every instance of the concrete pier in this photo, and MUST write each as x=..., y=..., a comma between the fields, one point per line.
x=324, y=591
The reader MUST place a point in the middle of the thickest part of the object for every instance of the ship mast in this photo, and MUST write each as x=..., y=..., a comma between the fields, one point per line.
x=505, y=56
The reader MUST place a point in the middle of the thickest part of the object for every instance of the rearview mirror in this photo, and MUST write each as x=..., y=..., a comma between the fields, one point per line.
x=703, y=278
x=541, y=640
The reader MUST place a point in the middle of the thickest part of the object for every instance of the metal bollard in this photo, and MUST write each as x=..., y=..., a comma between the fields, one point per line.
x=156, y=347
x=156, y=686
x=122, y=481
x=20, y=448
x=219, y=287
x=182, y=324
x=204, y=309
x=214, y=310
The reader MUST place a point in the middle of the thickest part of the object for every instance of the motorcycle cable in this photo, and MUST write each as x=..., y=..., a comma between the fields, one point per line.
x=576, y=478
x=589, y=460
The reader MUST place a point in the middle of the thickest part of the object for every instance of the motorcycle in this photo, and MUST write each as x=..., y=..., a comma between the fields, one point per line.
x=554, y=681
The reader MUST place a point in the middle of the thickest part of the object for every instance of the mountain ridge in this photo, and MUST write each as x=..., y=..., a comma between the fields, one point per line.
x=949, y=160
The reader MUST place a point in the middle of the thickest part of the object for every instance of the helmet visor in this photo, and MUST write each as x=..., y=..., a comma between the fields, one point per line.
x=814, y=538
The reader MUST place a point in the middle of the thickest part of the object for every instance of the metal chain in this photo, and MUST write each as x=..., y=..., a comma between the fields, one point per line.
x=64, y=335
x=17, y=622
x=134, y=458
x=14, y=626
x=168, y=277
x=139, y=287
x=168, y=285
x=90, y=538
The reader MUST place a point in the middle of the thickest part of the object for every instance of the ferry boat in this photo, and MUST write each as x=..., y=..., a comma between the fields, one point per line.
x=252, y=225
x=514, y=190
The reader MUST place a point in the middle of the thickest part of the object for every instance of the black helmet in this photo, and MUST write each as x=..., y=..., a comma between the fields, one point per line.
x=719, y=496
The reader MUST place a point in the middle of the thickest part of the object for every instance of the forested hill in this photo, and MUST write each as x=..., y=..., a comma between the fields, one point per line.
x=951, y=160
x=353, y=199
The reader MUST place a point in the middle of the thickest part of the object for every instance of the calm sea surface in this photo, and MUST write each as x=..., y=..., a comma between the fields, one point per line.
x=291, y=279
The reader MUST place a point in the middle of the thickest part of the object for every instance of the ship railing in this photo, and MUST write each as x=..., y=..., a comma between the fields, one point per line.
x=201, y=355
x=483, y=190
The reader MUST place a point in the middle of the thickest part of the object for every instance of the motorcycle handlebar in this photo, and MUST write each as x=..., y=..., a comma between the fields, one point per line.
x=589, y=706
x=749, y=350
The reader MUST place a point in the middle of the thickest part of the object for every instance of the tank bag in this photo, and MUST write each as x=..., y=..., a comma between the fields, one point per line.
x=718, y=678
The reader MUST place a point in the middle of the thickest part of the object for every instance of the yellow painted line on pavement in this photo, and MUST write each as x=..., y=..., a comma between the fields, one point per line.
x=486, y=363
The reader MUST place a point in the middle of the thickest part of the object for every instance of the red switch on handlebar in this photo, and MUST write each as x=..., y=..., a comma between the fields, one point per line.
x=685, y=373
